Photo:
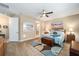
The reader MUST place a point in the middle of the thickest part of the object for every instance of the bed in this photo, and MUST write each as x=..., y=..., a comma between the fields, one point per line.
x=56, y=37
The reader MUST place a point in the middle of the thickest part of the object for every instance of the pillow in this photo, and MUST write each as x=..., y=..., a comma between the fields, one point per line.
x=54, y=33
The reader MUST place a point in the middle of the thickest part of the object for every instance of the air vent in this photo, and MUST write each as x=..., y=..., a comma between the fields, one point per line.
x=4, y=5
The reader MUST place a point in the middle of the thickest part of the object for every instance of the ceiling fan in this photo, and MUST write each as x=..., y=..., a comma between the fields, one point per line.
x=45, y=14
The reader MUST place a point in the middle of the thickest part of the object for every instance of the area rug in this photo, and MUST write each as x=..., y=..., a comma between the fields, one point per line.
x=35, y=43
x=47, y=51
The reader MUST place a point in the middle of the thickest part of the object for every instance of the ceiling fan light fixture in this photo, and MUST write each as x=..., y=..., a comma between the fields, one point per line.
x=43, y=15
x=44, y=11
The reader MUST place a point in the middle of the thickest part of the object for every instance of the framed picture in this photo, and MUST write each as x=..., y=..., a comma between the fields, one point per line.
x=28, y=26
x=57, y=25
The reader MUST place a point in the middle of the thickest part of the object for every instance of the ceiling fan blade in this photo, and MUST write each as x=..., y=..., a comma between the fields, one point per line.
x=46, y=15
x=49, y=13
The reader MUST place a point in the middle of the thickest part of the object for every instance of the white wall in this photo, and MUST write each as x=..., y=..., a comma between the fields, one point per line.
x=27, y=35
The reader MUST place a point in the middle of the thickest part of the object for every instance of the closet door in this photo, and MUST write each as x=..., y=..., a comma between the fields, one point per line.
x=14, y=29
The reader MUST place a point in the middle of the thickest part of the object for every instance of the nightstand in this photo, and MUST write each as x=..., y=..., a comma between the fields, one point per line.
x=70, y=38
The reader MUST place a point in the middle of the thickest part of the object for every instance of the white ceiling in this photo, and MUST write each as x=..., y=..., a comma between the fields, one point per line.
x=34, y=9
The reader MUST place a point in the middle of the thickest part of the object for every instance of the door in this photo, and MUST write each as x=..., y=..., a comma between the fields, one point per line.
x=14, y=29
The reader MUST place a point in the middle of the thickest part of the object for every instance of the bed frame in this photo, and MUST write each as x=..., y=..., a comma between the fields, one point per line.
x=47, y=41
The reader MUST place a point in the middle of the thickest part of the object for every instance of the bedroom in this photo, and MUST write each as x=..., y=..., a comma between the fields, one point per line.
x=51, y=35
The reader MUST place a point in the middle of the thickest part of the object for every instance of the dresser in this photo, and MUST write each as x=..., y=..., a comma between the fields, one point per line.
x=70, y=38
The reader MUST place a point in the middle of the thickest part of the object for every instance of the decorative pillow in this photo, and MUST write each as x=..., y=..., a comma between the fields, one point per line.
x=55, y=33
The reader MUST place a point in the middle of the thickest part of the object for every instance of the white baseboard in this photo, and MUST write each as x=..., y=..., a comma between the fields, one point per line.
x=29, y=39
x=23, y=40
